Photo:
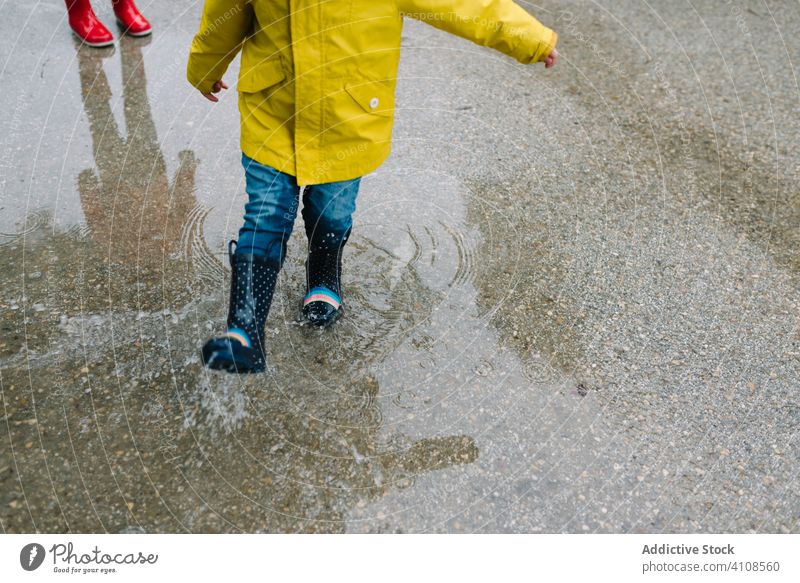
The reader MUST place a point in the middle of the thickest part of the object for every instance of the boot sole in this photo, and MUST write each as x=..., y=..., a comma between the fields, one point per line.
x=93, y=45
x=147, y=32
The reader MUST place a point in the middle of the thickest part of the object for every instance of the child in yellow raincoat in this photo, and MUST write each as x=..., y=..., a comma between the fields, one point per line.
x=316, y=96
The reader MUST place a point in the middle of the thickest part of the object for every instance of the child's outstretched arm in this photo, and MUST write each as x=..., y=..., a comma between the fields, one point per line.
x=223, y=28
x=499, y=24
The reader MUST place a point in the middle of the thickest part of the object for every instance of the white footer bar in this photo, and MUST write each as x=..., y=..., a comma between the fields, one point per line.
x=406, y=558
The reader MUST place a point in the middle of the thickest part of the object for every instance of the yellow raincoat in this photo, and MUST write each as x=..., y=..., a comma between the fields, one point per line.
x=317, y=79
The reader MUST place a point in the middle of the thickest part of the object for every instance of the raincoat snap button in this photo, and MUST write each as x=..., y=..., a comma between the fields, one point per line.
x=373, y=103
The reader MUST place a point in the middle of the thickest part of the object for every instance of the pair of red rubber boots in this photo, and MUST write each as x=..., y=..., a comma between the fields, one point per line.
x=90, y=30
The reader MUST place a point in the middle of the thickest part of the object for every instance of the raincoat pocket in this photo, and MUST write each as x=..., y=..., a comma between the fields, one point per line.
x=373, y=97
x=261, y=76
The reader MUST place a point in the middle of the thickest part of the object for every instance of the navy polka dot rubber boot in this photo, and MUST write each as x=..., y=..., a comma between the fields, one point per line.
x=322, y=305
x=241, y=349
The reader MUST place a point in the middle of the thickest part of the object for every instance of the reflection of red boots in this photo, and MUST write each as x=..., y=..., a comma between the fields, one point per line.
x=84, y=23
x=130, y=19
x=91, y=31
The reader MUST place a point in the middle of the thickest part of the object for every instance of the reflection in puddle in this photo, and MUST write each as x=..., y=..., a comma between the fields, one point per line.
x=141, y=219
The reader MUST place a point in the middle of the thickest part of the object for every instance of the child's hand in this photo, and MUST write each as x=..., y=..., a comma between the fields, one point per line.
x=549, y=60
x=219, y=86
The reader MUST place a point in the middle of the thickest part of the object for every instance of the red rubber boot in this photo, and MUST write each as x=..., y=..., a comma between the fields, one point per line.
x=84, y=24
x=130, y=19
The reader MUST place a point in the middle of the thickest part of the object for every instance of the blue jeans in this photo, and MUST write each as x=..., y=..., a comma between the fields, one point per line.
x=272, y=207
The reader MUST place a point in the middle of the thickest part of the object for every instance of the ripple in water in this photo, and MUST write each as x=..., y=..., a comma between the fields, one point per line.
x=35, y=220
x=205, y=267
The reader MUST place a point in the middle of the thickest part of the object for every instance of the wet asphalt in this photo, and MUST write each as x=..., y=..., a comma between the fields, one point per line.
x=573, y=296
